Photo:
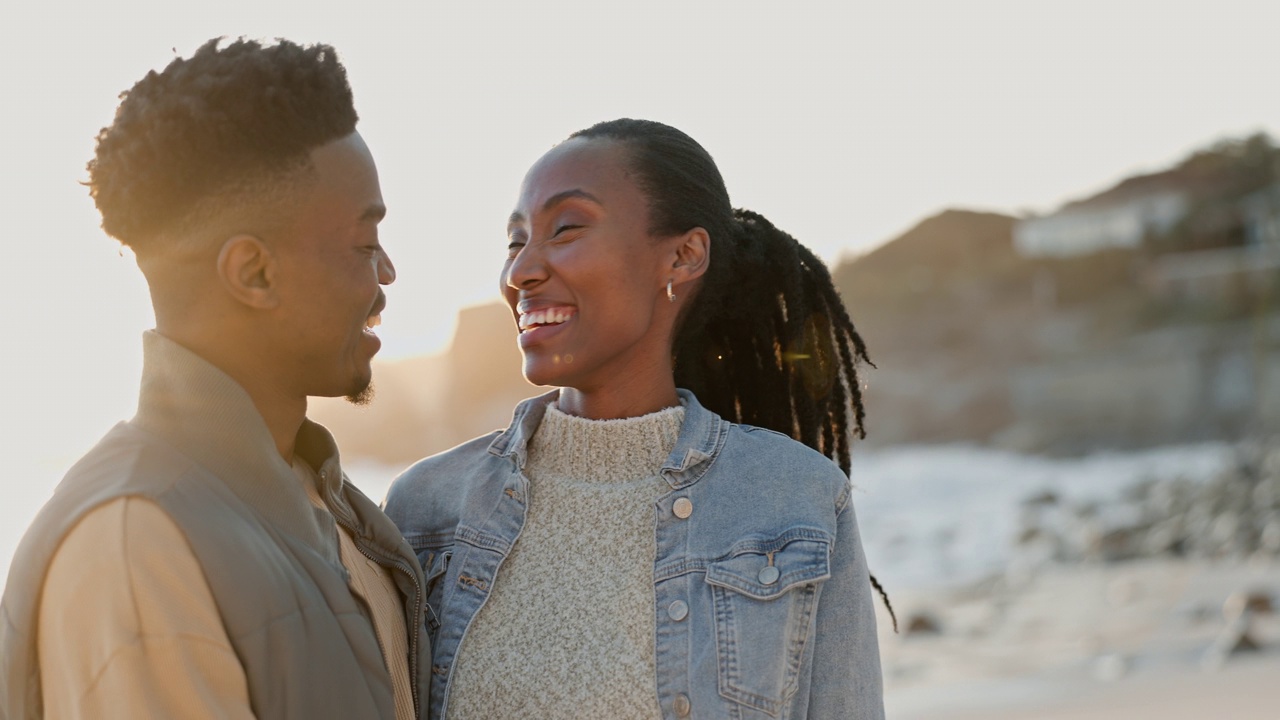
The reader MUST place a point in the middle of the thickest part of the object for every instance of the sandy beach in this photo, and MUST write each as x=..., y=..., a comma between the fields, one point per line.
x=1245, y=690
x=1124, y=640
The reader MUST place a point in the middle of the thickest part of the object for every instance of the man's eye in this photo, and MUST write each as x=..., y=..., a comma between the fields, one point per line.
x=514, y=247
x=564, y=228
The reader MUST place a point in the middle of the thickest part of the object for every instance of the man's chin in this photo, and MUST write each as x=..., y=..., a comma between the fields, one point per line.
x=363, y=396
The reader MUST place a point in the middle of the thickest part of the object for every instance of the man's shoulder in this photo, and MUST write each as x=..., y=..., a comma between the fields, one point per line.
x=124, y=464
x=129, y=532
x=126, y=461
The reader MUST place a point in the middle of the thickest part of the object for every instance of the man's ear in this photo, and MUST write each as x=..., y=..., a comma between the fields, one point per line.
x=248, y=270
x=692, y=256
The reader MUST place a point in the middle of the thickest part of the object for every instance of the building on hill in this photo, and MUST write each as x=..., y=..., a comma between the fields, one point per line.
x=1244, y=272
x=1261, y=214
x=1099, y=223
x=1222, y=197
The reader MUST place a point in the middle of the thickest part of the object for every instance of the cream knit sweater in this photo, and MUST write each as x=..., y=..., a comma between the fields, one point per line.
x=568, y=630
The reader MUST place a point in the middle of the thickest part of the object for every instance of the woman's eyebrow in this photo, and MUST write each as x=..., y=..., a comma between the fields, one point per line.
x=517, y=217
x=567, y=194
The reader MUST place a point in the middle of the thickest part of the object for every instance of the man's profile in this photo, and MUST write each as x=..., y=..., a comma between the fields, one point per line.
x=208, y=557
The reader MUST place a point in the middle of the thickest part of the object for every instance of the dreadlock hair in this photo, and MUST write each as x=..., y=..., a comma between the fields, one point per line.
x=215, y=130
x=767, y=341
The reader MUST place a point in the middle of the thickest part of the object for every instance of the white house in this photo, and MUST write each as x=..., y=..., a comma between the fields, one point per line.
x=1100, y=224
x=1221, y=272
x=1261, y=214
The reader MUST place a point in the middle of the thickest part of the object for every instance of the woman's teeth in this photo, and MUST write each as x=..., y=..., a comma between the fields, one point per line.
x=554, y=316
x=373, y=321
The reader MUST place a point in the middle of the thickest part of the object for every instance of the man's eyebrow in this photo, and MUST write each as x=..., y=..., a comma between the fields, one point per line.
x=374, y=213
x=517, y=217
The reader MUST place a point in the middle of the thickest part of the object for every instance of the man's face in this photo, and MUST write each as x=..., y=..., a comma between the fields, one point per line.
x=331, y=268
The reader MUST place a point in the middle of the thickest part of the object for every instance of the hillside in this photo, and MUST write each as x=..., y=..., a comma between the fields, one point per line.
x=950, y=312
x=976, y=343
x=1177, y=340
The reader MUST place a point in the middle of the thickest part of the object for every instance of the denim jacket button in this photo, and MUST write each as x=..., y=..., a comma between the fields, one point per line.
x=768, y=575
x=683, y=508
x=678, y=610
x=681, y=705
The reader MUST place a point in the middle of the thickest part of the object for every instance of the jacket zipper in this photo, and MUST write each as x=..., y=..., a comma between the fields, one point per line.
x=399, y=564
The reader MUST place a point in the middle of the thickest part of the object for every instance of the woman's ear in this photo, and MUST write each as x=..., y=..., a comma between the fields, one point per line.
x=248, y=269
x=692, y=256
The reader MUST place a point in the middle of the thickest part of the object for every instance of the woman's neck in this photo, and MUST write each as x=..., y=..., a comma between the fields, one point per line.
x=618, y=400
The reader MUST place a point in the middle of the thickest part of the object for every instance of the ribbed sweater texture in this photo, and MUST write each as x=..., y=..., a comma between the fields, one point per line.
x=568, y=630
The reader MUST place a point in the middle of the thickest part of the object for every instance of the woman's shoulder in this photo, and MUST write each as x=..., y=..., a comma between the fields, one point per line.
x=790, y=483
x=762, y=454
x=463, y=455
x=760, y=442
x=767, y=454
x=440, y=480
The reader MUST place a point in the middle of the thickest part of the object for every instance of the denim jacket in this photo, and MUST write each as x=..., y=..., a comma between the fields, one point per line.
x=761, y=592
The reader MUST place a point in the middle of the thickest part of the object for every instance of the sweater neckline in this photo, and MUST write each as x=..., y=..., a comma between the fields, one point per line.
x=603, y=451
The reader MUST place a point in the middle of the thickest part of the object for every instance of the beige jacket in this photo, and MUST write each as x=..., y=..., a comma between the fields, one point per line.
x=187, y=508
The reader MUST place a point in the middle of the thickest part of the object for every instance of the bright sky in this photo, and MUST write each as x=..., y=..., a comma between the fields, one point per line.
x=844, y=122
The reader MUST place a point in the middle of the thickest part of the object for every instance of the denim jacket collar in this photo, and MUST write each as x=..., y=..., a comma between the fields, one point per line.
x=702, y=435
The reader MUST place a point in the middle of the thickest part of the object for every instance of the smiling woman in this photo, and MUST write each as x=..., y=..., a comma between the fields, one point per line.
x=579, y=227
x=661, y=535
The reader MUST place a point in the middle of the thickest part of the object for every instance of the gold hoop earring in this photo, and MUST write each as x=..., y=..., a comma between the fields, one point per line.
x=671, y=296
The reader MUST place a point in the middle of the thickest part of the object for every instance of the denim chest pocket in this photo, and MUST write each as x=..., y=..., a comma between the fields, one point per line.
x=764, y=597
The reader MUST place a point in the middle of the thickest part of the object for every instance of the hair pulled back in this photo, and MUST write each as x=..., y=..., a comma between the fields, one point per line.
x=767, y=340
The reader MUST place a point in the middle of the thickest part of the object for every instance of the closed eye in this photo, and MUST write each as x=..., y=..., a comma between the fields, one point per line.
x=564, y=228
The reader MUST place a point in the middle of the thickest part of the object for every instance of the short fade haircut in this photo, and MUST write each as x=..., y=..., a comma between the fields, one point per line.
x=216, y=128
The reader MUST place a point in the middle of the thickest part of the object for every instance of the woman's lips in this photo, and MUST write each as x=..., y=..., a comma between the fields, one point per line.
x=554, y=315
x=533, y=333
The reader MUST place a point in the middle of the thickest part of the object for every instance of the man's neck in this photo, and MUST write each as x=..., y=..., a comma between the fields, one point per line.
x=282, y=411
x=282, y=414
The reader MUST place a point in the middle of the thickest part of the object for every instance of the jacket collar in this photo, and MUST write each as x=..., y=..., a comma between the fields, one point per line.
x=702, y=435
x=210, y=418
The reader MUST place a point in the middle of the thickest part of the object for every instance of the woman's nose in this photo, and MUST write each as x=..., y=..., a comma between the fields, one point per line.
x=526, y=269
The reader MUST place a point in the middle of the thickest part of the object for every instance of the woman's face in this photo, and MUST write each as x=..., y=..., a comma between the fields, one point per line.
x=585, y=281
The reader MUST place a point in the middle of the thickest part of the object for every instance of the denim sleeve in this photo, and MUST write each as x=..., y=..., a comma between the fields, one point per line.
x=846, y=680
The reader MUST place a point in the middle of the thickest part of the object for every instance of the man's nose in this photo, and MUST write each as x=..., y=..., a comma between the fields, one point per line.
x=386, y=269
